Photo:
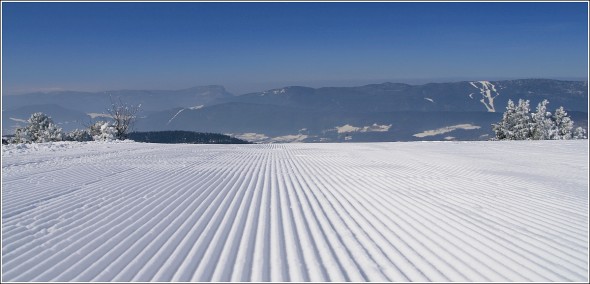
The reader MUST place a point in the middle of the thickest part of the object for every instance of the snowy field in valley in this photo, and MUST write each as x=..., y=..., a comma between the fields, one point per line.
x=419, y=211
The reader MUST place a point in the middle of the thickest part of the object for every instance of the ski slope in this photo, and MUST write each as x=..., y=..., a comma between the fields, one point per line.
x=417, y=211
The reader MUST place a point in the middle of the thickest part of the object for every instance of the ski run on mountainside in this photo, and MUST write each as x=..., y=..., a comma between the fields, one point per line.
x=416, y=211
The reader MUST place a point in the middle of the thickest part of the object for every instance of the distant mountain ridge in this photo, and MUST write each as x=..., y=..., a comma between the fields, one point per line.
x=375, y=112
x=457, y=96
x=150, y=100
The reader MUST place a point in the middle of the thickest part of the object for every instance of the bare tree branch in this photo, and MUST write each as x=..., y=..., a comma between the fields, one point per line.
x=124, y=116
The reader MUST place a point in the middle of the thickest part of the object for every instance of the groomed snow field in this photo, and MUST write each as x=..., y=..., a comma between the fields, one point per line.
x=416, y=211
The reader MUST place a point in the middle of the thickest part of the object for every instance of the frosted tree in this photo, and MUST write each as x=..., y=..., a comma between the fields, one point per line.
x=518, y=124
x=543, y=127
x=523, y=122
x=503, y=129
x=79, y=135
x=40, y=128
x=580, y=133
x=107, y=132
x=124, y=116
x=564, y=124
x=94, y=129
x=21, y=136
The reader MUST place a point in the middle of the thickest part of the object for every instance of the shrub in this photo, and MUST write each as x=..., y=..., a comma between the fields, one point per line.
x=40, y=129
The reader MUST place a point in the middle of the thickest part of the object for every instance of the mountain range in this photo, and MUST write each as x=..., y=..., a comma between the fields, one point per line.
x=375, y=112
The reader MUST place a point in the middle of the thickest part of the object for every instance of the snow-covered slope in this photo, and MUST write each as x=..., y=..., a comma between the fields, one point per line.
x=431, y=211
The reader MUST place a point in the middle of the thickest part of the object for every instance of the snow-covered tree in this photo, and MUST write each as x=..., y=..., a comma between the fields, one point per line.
x=518, y=124
x=504, y=128
x=543, y=127
x=21, y=136
x=564, y=124
x=580, y=133
x=40, y=128
x=79, y=135
x=94, y=129
x=107, y=133
x=523, y=124
x=124, y=116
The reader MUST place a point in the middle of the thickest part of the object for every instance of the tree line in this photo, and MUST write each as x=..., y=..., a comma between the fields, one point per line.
x=190, y=137
x=41, y=128
x=518, y=123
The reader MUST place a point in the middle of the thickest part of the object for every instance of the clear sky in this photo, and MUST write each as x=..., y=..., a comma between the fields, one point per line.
x=255, y=46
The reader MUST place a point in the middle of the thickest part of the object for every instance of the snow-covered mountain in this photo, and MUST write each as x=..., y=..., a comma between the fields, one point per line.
x=88, y=105
x=150, y=100
x=376, y=112
x=491, y=96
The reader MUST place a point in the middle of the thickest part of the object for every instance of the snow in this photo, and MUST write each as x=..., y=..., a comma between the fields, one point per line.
x=281, y=91
x=293, y=138
x=262, y=138
x=174, y=116
x=414, y=211
x=486, y=92
x=197, y=107
x=347, y=128
x=275, y=92
x=94, y=115
x=250, y=136
x=446, y=129
x=18, y=119
x=22, y=148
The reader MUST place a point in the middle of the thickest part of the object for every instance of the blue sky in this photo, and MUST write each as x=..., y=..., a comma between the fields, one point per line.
x=255, y=46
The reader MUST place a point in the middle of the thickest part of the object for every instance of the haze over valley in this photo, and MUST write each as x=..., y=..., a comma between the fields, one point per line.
x=376, y=112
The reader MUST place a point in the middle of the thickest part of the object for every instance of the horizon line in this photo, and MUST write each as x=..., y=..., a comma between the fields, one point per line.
x=406, y=81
